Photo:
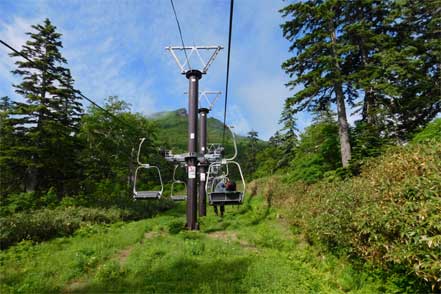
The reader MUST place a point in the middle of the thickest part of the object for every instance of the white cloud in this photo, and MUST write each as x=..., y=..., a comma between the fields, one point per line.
x=262, y=99
x=117, y=48
x=237, y=119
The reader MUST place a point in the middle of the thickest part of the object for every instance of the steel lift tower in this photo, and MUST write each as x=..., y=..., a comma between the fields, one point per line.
x=191, y=158
x=204, y=163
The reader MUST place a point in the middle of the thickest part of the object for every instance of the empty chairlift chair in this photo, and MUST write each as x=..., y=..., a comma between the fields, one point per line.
x=182, y=196
x=144, y=194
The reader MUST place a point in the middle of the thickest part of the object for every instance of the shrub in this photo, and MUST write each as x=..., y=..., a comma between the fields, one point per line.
x=18, y=202
x=389, y=215
x=44, y=224
x=431, y=132
x=252, y=188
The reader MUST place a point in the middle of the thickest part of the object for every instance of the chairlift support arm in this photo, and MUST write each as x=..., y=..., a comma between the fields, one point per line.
x=194, y=50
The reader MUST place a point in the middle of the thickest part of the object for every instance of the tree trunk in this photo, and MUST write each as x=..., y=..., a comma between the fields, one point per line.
x=343, y=126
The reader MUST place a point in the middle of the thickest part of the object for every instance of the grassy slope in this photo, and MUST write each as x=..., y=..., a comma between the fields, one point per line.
x=250, y=250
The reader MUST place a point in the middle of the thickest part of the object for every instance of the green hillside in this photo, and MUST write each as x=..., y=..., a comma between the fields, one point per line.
x=172, y=130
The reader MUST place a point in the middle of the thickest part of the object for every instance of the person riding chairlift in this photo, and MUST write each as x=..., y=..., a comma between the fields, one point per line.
x=222, y=187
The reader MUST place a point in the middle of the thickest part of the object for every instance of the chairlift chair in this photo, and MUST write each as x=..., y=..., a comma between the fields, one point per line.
x=175, y=182
x=224, y=197
x=145, y=194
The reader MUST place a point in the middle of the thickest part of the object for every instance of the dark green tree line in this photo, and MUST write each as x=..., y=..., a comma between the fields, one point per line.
x=47, y=142
x=379, y=58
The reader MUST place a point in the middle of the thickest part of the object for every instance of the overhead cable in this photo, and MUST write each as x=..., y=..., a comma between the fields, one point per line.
x=228, y=69
x=180, y=34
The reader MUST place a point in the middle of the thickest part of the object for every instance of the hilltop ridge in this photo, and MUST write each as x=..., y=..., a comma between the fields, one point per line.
x=172, y=129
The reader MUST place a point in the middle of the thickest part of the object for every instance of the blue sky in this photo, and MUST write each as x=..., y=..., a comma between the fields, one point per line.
x=116, y=47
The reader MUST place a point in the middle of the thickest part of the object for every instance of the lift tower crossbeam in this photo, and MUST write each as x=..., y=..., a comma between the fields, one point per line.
x=185, y=67
x=193, y=76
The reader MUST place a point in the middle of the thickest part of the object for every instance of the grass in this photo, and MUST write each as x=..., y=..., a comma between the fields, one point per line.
x=250, y=250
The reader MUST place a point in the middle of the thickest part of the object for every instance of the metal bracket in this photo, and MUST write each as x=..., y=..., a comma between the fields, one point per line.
x=184, y=67
x=206, y=94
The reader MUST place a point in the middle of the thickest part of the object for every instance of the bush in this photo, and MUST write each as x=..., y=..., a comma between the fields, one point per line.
x=389, y=215
x=18, y=202
x=41, y=225
x=13, y=203
x=431, y=132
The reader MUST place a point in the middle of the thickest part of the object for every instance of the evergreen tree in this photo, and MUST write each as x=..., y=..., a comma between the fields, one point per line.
x=252, y=150
x=51, y=113
x=10, y=160
x=314, y=27
x=288, y=137
x=365, y=32
x=411, y=65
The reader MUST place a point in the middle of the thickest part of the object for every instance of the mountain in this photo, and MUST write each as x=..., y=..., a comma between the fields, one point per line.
x=172, y=132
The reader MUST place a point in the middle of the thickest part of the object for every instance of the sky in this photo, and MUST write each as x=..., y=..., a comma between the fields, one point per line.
x=117, y=47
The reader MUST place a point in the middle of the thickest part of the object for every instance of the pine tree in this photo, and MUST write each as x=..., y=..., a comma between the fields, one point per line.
x=314, y=27
x=412, y=66
x=365, y=31
x=51, y=113
x=252, y=150
x=11, y=165
x=288, y=137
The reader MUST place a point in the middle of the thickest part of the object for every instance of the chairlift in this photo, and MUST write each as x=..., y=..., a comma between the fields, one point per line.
x=175, y=182
x=224, y=197
x=146, y=195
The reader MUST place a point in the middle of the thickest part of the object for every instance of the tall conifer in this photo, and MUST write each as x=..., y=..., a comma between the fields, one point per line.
x=51, y=112
x=314, y=28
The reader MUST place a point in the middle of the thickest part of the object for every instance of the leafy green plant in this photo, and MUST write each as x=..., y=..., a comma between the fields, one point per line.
x=431, y=132
x=389, y=215
x=41, y=225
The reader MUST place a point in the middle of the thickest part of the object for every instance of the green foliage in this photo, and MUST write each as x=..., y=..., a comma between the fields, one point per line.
x=268, y=161
x=367, y=141
x=389, y=215
x=317, y=65
x=252, y=149
x=12, y=168
x=431, y=132
x=110, y=148
x=41, y=225
x=27, y=201
x=317, y=152
x=247, y=256
x=175, y=227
